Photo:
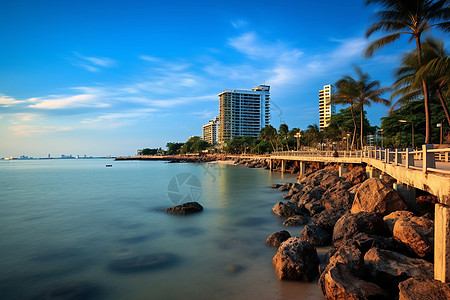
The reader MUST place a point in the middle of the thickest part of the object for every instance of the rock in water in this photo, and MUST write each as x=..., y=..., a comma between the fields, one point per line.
x=142, y=263
x=423, y=288
x=286, y=209
x=388, y=268
x=296, y=220
x=277, y=238
x=185, y=209
x=375, y=196
x=296, y=260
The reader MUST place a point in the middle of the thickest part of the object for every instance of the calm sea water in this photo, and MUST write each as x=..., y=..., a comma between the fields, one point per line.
x=63, y=222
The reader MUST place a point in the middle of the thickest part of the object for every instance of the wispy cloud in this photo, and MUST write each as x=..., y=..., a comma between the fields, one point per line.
x=91, y=63
x=76, y=101
x=6, y=101
x=25, y=130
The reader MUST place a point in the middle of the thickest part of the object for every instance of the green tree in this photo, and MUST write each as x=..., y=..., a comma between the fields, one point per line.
x=312, y=135
x=283, y=135
x=345, y=95
x=173, y=148
x=148, y=151
x=411, y=17
x=194, y=144
x=363, y=92
x=269, y=133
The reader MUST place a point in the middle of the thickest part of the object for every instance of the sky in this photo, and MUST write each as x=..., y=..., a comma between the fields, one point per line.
x=109, y=77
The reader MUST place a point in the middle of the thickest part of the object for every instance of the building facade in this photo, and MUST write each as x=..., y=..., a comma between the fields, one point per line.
x=243, y=112
x=326, y=106
x=211, y=131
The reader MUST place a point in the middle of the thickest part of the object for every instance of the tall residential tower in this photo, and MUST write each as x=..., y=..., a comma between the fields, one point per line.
x=243, y=112
x=211, y=131
x=326, y=106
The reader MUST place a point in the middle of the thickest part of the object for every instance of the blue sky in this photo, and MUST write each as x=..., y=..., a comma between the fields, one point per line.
x=109, y=77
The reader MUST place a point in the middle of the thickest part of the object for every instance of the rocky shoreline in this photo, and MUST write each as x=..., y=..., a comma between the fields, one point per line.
x=379, y=248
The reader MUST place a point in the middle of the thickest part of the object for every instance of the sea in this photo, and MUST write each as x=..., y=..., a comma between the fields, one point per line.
x=79, y=228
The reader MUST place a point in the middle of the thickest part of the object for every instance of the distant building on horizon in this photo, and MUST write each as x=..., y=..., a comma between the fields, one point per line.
x=211, y=131
x=243, y=112
x=326, y=106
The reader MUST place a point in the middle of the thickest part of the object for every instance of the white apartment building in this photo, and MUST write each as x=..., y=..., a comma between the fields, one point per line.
x=243, y=112
x=211, y=131
x=326, y=106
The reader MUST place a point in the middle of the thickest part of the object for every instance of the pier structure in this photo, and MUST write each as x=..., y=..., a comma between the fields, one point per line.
x=426, y=169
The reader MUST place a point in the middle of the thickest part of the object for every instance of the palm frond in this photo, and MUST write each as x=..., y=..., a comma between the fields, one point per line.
x=380, y=43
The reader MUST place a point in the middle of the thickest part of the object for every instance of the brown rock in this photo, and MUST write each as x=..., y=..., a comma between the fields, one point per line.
x=388, y=268
x=184, y=209
x=285, y=209
x=338, y=197
x=327, y=218
x=390, y=219
x=417, y=234
x=296, y=220
x=351, y=224
x=423, y=288
x=315, y=235
x=375, y=196
x=277, y=238
x=356, y=175
x=296, y=260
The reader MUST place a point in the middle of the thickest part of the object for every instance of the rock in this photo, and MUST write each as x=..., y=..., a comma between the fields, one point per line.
x=296, y=220
x=286, y=209
x=308, y=194
x=315, y=178
x=338, y=282
x=329, y=180
x=350, y=256
x=275, y=186
x=365, y=242
x=425, y=204
x=338, y=197
x=142, y=263
x=275, y=239
x=354, y=188
x=356, y=175
x=285, y=187
x=314, y=207
x=351, y=224
x=388, y=268
x=327, y=218
x=423, y=288
x=296, y=260
x=185, y=209
x=390, y=219
x=417, y=234
x=375, y=196
x=315, y=235
x=388, y=180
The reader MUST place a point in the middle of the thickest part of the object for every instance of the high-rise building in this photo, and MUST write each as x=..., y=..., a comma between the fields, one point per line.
x=326, y=106
x=211, y=131
x=243, y=112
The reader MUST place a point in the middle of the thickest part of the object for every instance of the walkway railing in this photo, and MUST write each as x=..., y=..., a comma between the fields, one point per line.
x=426, y=159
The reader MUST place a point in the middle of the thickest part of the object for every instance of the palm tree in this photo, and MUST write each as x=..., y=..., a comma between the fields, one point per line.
x=269, y=133
x=412, y=17
x=283, y=134
x=435, y=72
x=362, y=92
x=345, y=95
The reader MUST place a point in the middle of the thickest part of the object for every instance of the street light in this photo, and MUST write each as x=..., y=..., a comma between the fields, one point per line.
x=440, y=135
x=381, y=130
x=298, y=135
x=412, y=129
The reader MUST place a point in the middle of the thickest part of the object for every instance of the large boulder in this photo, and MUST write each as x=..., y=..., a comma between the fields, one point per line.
x=356, y=175
x=327, y=218
x=365, y=242
x=185, y=209
x=392, y=218
x=338, y=197
x=388, y=268
x=417, y=234
x=315, y=235
x=315, y=178
x=296, y=220
x=329, y=180
x=375, y=196
x=277, y=238
x=338, y=283
x=286, y=209
x=308, y=194
x=296, y=260
x=351, y=224
x=423, y=288
x=425, y=204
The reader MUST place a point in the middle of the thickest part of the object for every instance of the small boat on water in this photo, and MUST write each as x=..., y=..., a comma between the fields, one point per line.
x=108, y=165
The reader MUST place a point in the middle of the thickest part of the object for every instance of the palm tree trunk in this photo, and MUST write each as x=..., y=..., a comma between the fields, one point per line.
x=354, y=124
x=362, y=123
x=444, y=106
x=425, y=95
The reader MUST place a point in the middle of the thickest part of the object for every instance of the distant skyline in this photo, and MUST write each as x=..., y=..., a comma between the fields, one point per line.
x=109, y=77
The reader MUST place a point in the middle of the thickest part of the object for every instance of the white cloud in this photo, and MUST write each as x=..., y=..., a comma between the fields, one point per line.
x=34, y=129
x=76, y=101
x=91, y=63
x=7, y=101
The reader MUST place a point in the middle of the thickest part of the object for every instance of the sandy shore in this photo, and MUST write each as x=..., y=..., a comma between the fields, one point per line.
x=222, y=162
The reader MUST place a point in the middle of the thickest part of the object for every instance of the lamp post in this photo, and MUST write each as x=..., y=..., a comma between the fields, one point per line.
x=298, y=135
x=381, y=130
x=412, y=129
x=440, y=135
